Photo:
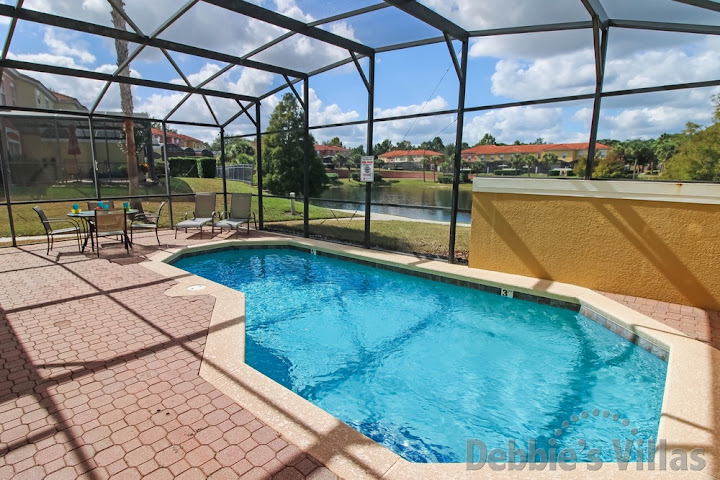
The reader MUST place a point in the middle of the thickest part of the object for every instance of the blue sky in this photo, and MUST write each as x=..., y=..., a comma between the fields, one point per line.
x=500, y=69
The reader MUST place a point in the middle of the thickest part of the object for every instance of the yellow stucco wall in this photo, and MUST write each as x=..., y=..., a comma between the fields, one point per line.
x=659, y=250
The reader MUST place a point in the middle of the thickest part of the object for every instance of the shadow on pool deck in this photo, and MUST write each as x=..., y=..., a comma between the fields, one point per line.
x=99, y=371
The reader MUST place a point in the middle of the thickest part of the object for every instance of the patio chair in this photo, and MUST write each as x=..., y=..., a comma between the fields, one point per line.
x=204, y=213
x=50, y=232
x=240, y=213
x=111, y=223
x=146, y=221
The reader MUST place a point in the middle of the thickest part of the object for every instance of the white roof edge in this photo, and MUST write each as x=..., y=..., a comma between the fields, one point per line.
x=701, y=193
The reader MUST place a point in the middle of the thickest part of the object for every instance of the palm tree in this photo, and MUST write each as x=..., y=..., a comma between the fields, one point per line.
x=126, y=102
x=548, y=160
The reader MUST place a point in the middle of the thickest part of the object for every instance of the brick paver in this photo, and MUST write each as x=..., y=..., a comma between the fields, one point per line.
x=703, y=325
x=99, y=376
x=99, y=373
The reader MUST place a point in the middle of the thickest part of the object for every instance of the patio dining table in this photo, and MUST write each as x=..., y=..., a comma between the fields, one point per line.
x=86, y=216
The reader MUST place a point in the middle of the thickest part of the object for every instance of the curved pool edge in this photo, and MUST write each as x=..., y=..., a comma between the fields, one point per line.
x=688, y=421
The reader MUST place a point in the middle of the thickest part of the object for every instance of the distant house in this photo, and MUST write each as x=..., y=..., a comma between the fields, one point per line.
x=498, y=156
x=327, y=152
x=408, y=159
x=182, y=141
x=38, y=146
x=19, y=90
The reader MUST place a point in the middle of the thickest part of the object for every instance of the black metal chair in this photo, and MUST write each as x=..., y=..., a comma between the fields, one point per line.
x=147, y=221
x=50, y=232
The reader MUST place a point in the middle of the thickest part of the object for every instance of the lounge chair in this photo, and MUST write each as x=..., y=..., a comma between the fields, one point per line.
x=111, y=223
x=204, y=213
x=50, y=232
x=146, y=221
x=240, y=206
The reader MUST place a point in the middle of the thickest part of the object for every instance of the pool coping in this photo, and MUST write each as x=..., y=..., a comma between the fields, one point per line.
x=687, y=419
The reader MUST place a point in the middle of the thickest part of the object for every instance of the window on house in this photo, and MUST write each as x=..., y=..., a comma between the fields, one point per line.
x=564, y=155
x=502, y=157
x=13, y=99
x=3, y=99
x=482, y=157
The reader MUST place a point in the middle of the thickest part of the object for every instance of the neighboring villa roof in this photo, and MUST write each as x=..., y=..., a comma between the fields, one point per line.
x=181, y=136
x=411, y=153
x=63, y=98
x=546, y=147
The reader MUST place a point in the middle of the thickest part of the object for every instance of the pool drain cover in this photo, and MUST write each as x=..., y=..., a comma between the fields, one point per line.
x=195, y=288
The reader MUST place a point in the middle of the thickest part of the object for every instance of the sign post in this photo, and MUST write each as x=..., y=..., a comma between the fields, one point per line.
x=367, y=169
x=367, y=175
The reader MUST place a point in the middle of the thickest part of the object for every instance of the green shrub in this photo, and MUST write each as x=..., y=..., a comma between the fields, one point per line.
x=507, y=171
x=464, y=177
x=183, y=167
x=333, y=178
x=159, y=168
x=445, y=179
x=206, y=167
x=193, y=167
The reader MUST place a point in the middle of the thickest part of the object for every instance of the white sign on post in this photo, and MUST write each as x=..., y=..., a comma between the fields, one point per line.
x=367, y=169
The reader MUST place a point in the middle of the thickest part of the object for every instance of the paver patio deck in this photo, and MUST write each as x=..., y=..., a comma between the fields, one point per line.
x=99, y=376
x=99, y=373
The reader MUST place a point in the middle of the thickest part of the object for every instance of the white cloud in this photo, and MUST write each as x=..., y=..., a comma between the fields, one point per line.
x=415, y=130
x=653, y=114
x=522, y=123
x=290, y=9
x=632, y=63
x=476, y=15
x=437, y=103
x=531, y=46
x=660, y=66
x=570, y=74
x=60, y=47
x=321, y=114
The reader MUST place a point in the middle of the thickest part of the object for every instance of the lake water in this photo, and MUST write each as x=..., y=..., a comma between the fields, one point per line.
x=432, y=196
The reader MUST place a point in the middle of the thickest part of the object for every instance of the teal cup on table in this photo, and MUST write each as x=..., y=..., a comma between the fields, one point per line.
x=126, y=206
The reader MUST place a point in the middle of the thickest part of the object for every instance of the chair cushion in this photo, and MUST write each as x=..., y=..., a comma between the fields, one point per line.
x=231, y=223
x=143, y=225
x=194, y=223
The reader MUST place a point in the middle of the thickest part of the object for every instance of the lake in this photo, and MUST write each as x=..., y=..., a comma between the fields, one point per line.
x=400, y=195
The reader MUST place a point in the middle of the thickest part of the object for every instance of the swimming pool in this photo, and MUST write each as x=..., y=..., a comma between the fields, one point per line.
x=422, y=366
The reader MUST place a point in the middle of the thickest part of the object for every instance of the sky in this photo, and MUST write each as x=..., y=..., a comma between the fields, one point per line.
x=501, y=69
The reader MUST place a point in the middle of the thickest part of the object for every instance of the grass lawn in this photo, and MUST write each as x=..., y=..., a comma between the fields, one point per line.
x=396, y=235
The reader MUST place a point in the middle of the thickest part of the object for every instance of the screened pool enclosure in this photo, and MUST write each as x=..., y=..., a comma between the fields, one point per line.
x=516, y=70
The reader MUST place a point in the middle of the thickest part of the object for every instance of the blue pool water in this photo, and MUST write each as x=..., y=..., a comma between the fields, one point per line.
x=422, y=366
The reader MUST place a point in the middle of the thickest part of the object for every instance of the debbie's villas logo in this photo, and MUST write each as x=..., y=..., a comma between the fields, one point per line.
x=567, y=449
